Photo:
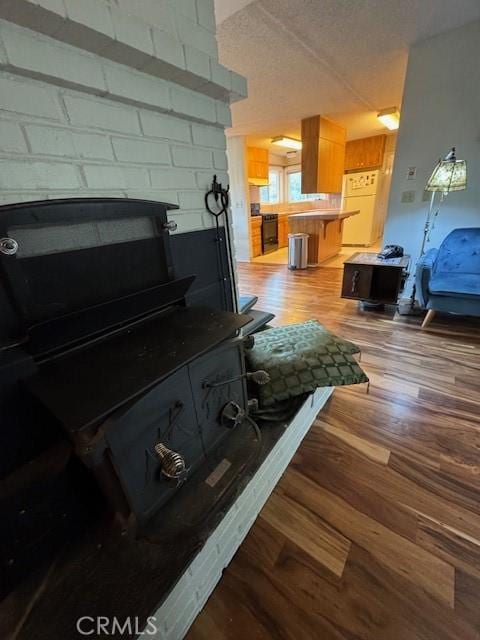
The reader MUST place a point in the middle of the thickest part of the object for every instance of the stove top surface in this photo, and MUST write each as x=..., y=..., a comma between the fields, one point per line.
x=85, y=386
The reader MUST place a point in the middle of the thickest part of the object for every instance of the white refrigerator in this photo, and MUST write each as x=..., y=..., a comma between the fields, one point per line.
x=360, y=191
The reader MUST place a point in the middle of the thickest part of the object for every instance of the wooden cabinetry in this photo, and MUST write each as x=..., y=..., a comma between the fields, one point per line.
x=323, y=155
x=256, y=235
x=366, y=153
x=257, y=166
x=283, y=230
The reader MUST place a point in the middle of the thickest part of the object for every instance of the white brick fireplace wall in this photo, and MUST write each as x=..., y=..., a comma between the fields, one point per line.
x=121, y=98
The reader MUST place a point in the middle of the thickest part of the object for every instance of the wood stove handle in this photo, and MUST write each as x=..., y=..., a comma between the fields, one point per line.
x=172, y=462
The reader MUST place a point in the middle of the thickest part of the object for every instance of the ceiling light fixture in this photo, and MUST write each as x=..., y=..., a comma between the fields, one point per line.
x=289, y=143
x=390, y=118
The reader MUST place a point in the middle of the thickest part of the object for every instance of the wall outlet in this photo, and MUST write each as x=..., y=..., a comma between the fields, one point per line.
x=411, y=173
x=408, y=196
x=427, y=196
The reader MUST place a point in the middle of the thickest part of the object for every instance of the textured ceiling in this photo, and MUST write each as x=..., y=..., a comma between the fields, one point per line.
x=345, y=59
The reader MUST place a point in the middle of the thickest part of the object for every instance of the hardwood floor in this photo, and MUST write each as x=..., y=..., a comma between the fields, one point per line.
x=374, y=530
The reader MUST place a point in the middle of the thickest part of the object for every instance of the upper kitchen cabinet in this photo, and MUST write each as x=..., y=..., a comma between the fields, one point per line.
x=323, y=155
x=257, y=166
x=366, y=153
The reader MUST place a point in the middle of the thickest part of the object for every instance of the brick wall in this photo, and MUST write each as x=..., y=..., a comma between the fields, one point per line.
x=113, y=98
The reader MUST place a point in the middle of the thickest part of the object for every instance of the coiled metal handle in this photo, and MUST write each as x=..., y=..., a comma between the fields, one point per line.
x=173, y=464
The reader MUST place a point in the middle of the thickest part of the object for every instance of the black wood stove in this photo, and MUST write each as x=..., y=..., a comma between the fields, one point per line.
x=144, y=384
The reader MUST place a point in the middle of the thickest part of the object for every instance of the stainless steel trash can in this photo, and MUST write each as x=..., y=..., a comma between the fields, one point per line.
x=297, y=250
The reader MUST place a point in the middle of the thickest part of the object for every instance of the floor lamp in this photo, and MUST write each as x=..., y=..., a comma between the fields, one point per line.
x=448, y=175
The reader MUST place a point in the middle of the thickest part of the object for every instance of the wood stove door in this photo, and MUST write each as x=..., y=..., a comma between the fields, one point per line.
x=208, y=376
x=165, y=414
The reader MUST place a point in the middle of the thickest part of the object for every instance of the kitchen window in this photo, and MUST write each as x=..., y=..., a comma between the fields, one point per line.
x=294, y=189
x=271, y=193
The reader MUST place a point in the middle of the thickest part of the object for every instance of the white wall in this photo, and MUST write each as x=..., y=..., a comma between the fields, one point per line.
x=96, y=101
x=239, y=196
x=441, y=109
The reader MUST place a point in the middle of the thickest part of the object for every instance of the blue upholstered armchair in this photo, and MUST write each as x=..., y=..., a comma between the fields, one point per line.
x=448, y=279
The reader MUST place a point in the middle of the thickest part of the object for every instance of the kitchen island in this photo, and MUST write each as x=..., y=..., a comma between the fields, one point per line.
x=325, y=228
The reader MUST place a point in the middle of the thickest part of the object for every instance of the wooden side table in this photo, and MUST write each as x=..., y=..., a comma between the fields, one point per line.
x=368, y=278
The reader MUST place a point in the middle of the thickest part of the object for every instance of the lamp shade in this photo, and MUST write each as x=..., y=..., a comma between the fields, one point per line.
x=450, y=174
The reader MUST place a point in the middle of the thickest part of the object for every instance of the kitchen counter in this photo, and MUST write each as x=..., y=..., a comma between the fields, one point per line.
x=269, y=213
x=296, y=213
x=327, y=214
x=325, y=228
x=293, y=213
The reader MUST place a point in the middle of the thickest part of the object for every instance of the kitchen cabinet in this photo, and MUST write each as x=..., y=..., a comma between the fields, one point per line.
x=323, y=155
x=366, y=153
x=257, y=166
x=282, y=230
x=256, y=235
